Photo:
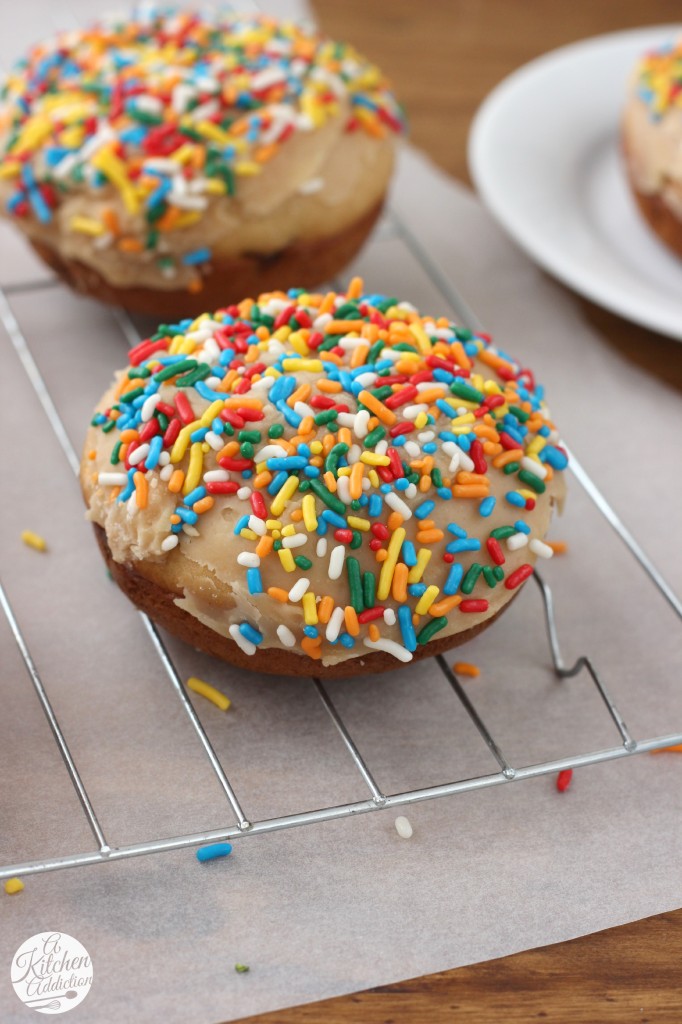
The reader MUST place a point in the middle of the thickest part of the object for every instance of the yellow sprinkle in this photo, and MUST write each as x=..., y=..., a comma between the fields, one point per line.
x=417, y=571
x=356, y=523
x=460, y=421
x=536, y=445
x=248, y=534
x=426, y=600
x=303, y=365
x=374, y=478
x=525, y=493
x=247, y=167
x=34, y=540
x=421, y=420
x=13, y=886
x=10, y=170
x=181, y=442
x=287, y=559
x=309, y=609
x=87, y=226
x=196, y=465
x=273, y=524
x=309, y=512
x=372, y=459
x=491, y=387
x=422, y=338
x=209, y=692
x=213, y=132
x=214, y=409
x=388, y=567
x=286, y=491
x=289, y=530
x=316, y=447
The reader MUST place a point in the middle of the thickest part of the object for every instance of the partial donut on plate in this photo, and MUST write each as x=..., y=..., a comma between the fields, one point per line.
x=322, y=484
x=652, y=141
x=173, y=161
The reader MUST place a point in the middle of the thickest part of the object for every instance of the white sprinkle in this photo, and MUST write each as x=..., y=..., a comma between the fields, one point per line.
x=113, y=479
x=299, y=588
x=244, y=493
x=241, y=641
x=131, y=504
x=256, y=524
x=103, y=241
x=516, y=541
x=164, y=459
x=334, y=624
x=366, y=484
x=214, y=441
x=161, y=164
x=139, y=455
x=343, y=489
x=466, y=463
x=167, y=472
x=321, y=321
x=302, y=409
x=345, y=419
x=410, y=412
x=191, y=531
x=367, y=379
x=210, y=382
x=412, y=449
x=381, y=447
x=336, y=560
x=248, y=558
x=271, y=451
x=267, y=77
x=410, y=491
x=170, y=542
x=534, y=467
x=215, y=476
x=389, y=646
x=360, y=428
x=539, y=548
x=398, y=505
x=321, y=549
x=286, y=636
x=389, y=616
x=425, y=436
x=353, y=454
x=403, y=827
x=296, y=540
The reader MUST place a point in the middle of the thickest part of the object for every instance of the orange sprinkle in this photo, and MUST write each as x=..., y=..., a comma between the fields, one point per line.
x=129, y=244
x=374, y=633
x=483, y=430
x=264, y=546
x=176, y=481
x=444, y=606
x=424, y=483
x=296, y=515
x=386, y=416
x=141, y=490
x=332, y=387
x=460, y=356
x=92, y=454
x=354, y=289
x=430, y=395
x=306, y=426
x=262, y=479
x=301, y=394
x=465, y=668
x=399, y=582
x=279, y=594
x=203, y=505
x=330, y=481
x=470, y=491
x=351, y=618
x=394, y=521
x=676, y=749
x=492, y=448
x=312, y=647
x=343, y=327
x=325, y=609
x=175, y=519
x=504, y=458
x=471, y=478
x=559, y=547
x=359, y=356
x=381, y=555
x=110, y=220
x=429, y=536
x=356, y=480
x=327, y=306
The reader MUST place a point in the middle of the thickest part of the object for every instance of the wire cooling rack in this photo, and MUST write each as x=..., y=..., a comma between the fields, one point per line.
x=392, y=226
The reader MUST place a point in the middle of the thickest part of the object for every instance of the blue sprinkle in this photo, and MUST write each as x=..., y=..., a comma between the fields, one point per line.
x=202, y=388
x=457, y=530
x=251, y=633
x=416, y=589
x=196, y=495
x=311, y=631
x=130, y=486
x=466, y=544
x=425, y=509
x=288, y=462
x=486, y=506
x=399, y=441
x=402, y=484
x=191, y=259
x=254, y=581
x=544, y=431
x=186, y=515
x=375, y=505
x=430, y=448
x=554, y=457
x=406, y=627
x=333, y=518
x=199, y=434
x=347, y=640
x=521, y=526
x=454, y=579
x=213, y=851
x=322, y=527
x=447, y=407
x=311, y=471
x=409, y=555
x=240, y=524
x=218, y=427
x=444, y=492
x=278, y=480
x=292, y=417
x=515, y=499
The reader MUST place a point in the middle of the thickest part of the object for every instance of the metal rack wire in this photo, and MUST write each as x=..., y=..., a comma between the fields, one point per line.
x=377, y=800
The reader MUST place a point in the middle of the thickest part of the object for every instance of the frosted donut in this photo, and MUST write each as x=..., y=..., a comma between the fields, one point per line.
x=174, y=161
x=652, y=141
x=327, y=484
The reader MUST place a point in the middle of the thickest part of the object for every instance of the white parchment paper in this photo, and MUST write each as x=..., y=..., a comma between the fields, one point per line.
x=334, y=908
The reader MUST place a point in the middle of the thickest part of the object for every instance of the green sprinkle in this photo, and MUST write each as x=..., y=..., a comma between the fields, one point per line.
x=355, y=584
x=368, y=589
x=384, y=306
x=467, y=392
x=502, y=532
x=249, y=435
x=381, y=393
x=163, y=421
x=276, y=430
x=325, y=417
x=510, y=468
x=403, y=346
x=355, y=505
x=202, y=371
x=130, y=396
x=170, y=371
x=331, y=463
x=247, y=450
x=489, y=576
x=242, y=968
x=108, y=426
x=330, y=500
x=498, y=573
x=356, y=542
x=302, y=562
x=437, y=478
x=533, y=481
x=304, y=486
x=431, y=628
x=374, y=437
x=116, y=453
x=138, y=371
x=463, y=334
x=328, y=343
x=277, y=545
x=519, y=413
x=348, y=311
x=469, y=581
x=375, y=351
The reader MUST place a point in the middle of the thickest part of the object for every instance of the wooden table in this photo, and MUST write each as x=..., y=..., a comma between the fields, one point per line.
x=443, y=57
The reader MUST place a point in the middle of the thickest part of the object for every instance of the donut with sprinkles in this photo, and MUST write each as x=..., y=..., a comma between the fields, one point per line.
x=175, y=160
x=331, y=483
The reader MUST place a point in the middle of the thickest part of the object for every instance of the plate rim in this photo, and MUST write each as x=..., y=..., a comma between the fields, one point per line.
x=568, y=272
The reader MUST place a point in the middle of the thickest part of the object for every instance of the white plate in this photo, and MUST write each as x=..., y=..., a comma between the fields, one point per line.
x=544, y=154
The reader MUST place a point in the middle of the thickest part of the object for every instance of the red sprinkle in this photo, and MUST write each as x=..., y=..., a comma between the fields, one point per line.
x=473, y=605
x=344, y=536
x=258, y=505
x=185, y=410
x=495, y=551
x=238, y=465
x=563, y=779
x=476, y=453
x=172, y=431
x=370, y=614
x=222, y=487
x=518, y=576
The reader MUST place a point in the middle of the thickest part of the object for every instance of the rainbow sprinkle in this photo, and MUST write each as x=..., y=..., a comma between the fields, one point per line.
x=659, y=79
x=350, y=436
x=157, y=116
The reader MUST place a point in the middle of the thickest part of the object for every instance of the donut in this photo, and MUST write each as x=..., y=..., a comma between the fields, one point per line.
x=323, y=484
x=172, y=162
x=652, y=141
